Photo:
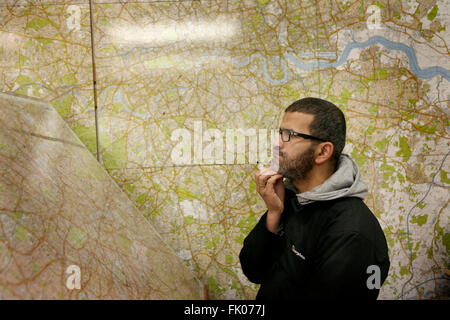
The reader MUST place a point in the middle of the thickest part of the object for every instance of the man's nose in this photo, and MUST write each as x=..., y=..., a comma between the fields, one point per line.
x=278, y=142
x=277, y=145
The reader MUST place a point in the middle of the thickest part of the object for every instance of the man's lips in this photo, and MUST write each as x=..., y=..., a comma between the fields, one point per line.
x=276, y=152
x=279, y=154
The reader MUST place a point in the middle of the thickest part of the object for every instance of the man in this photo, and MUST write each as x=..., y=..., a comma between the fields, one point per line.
x=317, y=239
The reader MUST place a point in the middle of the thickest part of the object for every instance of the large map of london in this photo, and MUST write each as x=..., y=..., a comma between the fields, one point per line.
x=206, y=68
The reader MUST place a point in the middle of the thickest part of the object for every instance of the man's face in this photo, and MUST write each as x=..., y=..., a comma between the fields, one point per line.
x=296, y=157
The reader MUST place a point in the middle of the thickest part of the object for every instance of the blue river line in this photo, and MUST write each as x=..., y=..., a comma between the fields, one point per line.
x=426, y=73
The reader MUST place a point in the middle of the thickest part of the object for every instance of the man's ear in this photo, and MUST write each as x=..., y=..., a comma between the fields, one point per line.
x=324, y=151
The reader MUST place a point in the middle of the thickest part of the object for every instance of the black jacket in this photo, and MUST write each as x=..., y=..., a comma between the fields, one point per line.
x=322, y=252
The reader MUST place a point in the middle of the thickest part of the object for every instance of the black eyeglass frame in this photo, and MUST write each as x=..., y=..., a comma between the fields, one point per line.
x=297, y=134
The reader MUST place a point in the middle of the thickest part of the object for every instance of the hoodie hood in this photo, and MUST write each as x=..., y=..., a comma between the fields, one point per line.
x=346, y=181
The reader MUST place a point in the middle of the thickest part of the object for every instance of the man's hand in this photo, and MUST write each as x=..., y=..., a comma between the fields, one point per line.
x=269, y=185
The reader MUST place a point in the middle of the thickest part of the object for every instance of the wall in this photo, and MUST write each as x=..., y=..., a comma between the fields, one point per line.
x=67, y=231
x=165, y=67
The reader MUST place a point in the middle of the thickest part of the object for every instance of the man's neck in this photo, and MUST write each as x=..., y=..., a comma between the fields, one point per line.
x=315, y=177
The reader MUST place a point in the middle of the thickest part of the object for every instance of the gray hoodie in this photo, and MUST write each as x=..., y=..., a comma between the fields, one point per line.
x=346, y=181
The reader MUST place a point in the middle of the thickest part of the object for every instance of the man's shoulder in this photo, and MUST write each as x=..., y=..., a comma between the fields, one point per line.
x=348, y=205
x=343, y=217
x=350, y=215
x=348, y=211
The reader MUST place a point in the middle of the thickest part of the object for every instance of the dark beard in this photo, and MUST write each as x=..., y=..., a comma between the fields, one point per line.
x=297, y=168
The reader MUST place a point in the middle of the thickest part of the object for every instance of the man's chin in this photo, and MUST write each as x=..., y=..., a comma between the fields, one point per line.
x=280, y=160
x=281, y=170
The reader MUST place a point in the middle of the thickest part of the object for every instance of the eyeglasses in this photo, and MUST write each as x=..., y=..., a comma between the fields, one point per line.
x=286, y=135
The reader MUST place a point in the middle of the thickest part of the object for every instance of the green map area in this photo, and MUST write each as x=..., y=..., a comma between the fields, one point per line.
x=221, y=65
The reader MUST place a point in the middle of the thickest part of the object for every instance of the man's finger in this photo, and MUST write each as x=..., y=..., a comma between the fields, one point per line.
x=273, y=179
x=263, y=179
x=260, y=181
x=270, y=184
x=267, y=171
